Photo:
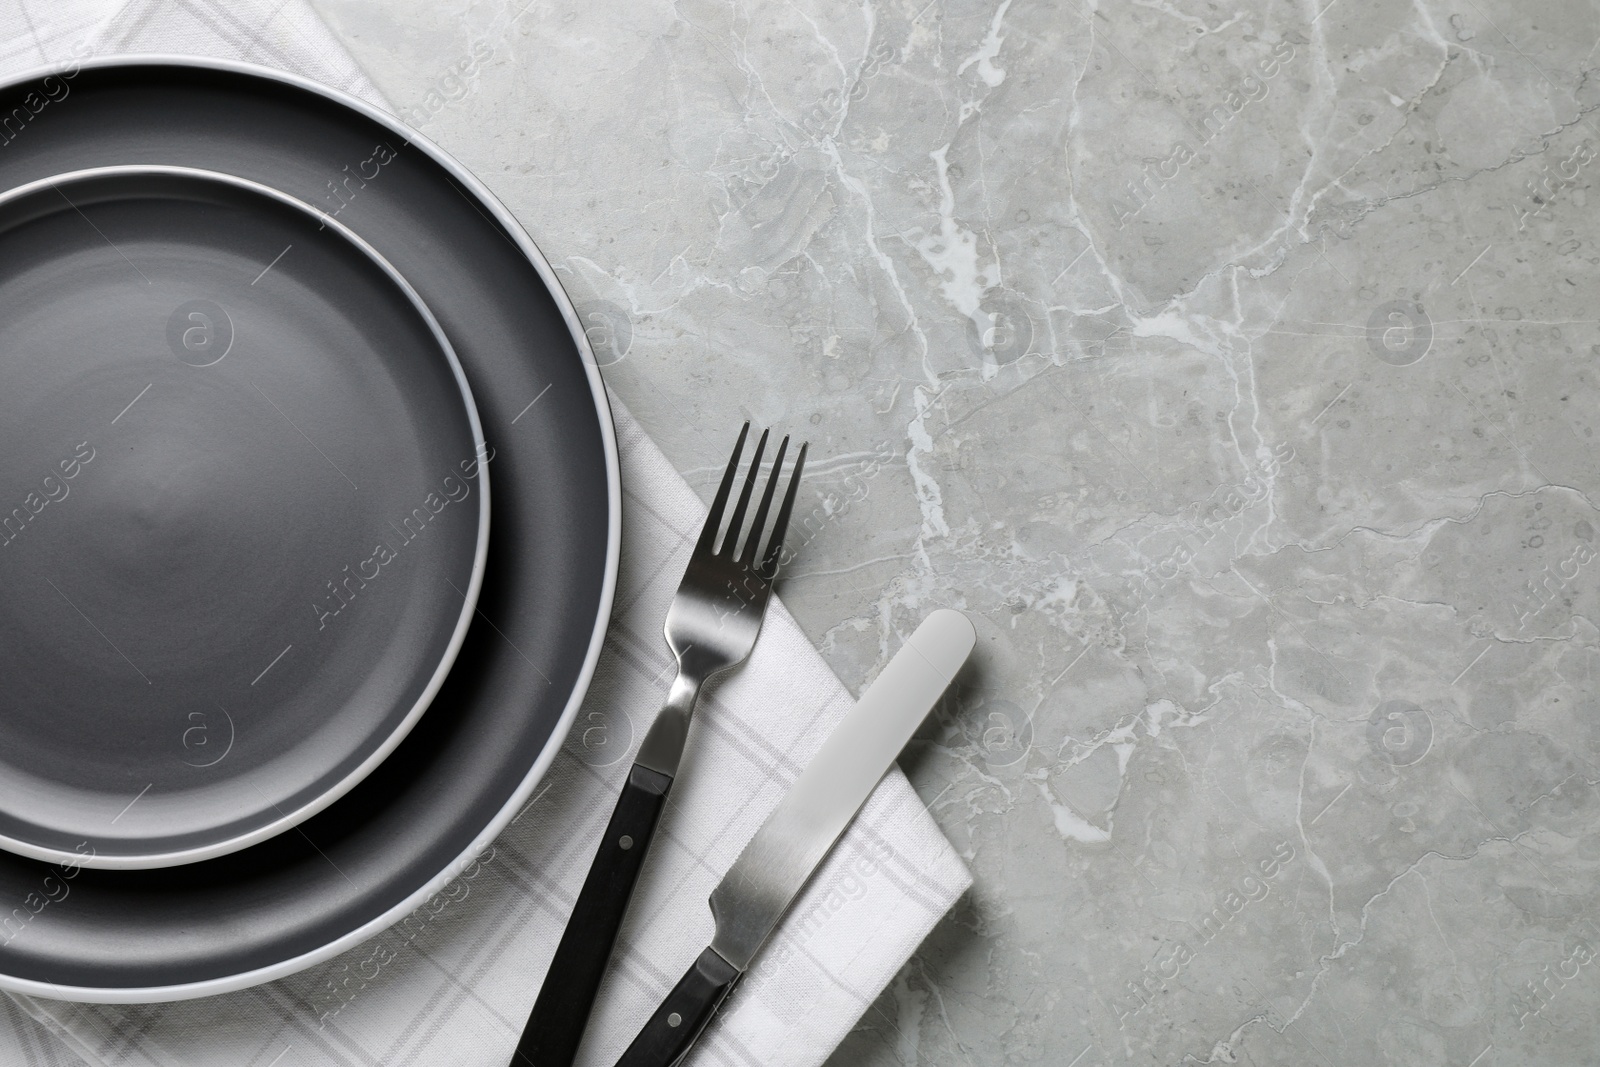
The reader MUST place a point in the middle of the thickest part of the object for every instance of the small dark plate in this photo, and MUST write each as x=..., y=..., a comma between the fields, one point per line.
x=473, y=761
x=243, y=521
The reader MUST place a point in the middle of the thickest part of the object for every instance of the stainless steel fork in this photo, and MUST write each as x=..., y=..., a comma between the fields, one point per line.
x=711, y=626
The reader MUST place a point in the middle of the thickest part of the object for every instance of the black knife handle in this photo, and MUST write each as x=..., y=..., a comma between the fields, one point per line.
x=688, y=1008
x=555, y=1027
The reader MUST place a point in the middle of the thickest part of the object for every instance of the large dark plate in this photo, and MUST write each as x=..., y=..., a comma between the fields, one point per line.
x=473, y=759
x=245, y=546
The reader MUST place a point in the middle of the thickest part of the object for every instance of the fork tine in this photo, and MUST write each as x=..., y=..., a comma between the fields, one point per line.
x=754, y=540
x=714, y=520
x=730, y=543
x=769, y=564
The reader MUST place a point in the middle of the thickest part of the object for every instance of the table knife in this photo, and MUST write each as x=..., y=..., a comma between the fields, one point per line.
x=792, y=843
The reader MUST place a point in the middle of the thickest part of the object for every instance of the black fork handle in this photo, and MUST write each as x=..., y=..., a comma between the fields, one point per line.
x=555, y=1027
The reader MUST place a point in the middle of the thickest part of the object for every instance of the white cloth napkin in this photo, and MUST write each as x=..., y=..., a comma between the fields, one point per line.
x=453, y=984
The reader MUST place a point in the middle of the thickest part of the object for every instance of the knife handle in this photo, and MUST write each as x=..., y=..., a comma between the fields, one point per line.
x=677, y=1024
x=555, y=1027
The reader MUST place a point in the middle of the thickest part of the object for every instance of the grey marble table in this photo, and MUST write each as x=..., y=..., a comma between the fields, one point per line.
x=1234, y=365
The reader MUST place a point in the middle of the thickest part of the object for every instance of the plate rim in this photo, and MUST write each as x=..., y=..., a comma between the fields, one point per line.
x=502, y=216
x=458, y=634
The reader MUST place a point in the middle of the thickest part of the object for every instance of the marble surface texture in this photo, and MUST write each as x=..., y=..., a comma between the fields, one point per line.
x=1234, y=366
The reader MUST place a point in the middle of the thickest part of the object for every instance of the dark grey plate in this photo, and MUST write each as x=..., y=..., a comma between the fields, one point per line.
x=471, y=762
x=245, y=545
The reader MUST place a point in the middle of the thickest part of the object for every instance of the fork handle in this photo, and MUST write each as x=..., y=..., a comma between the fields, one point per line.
x=559, y=1016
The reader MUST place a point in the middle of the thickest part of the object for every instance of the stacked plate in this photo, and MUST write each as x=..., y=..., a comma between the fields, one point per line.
x=277, y=663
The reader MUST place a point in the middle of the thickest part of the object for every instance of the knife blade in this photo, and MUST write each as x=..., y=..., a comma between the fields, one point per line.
x=777, y=862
